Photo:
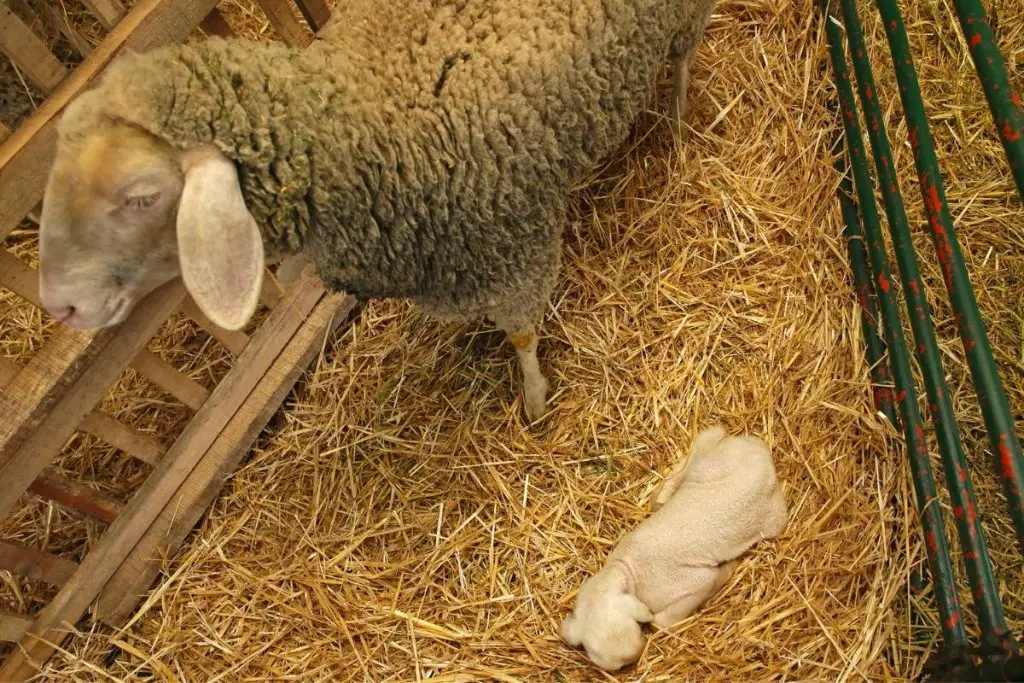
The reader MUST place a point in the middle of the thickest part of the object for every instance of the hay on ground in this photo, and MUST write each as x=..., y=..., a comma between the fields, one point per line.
x=400, y=522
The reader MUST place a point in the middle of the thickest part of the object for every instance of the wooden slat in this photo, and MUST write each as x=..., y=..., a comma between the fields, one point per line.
x=315, y=13
x=50, y=371
x=5, y=132
x=76, y=496
x=275, y=285
x=233, y=341
x=54, y=18
x=41, y=384
x=19, y=277
x=185, y=389
x=26, y=463
x=216, y=25
x=13, y=627
x=286, y=24
x=133, y=578
x=36, y=564
x=35, y=214
x=60, y=20
x=28, y=52
x=159, y=488
x=109, y=12
x=8, y=371
x=131, y=441
x=271, y=292
x=26, y=157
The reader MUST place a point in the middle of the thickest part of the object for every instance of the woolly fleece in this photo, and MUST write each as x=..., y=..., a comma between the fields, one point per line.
x=420, y=149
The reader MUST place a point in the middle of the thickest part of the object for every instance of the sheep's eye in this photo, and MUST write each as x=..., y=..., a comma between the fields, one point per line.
x=143, y=201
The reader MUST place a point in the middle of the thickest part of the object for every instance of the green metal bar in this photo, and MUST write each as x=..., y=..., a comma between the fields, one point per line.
x=857, y=254
x=984, y=372
x=924, y=482
x=979, y=569
x=1003, y=102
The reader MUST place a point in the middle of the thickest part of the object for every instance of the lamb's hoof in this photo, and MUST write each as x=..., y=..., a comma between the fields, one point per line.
x=535, y=399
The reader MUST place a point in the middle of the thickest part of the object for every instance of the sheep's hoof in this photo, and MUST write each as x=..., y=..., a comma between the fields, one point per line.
x=535, y=398
x=680, y=108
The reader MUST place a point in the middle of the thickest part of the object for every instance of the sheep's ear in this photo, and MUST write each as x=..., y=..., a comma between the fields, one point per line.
x=219, y=243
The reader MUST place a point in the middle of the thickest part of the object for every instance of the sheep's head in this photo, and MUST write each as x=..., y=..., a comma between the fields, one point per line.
x=125, y=212
x=606, y=622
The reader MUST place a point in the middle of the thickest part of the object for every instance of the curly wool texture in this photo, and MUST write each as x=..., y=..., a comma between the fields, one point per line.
x=421, y=149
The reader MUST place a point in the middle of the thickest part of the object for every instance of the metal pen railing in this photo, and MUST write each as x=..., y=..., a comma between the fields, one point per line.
x=873, y=281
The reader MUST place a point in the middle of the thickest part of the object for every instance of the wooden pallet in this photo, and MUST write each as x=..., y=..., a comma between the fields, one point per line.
x=56, y=393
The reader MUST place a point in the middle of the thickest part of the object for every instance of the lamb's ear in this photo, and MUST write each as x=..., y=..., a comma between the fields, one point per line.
x=219, y=243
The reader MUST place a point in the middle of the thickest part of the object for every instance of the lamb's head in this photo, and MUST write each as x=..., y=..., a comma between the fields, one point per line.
x=125, y=212
x=606, y=622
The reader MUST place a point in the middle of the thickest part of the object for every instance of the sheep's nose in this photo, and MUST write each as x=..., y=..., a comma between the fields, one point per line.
x=62, y=313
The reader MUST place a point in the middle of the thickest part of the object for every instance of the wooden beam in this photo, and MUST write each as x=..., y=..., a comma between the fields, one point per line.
x=76, y=496
x=216, y=25
x=28, y=52
x=68, y=606
x=136, y=574
x=23, y=465
x=19, y=277
x=26, y=157
x=177, y=384
x=13, y=627
x=36, y=564
x=109, y=12
x=288, y=27
x=315, y=12
x=121, y=436
x=233, y=341
x=5, y=132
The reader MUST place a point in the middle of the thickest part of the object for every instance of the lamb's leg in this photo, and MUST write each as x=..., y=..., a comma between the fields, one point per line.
x=535, y=385
x=668, y=487
x=686, y=606
x=702, y=445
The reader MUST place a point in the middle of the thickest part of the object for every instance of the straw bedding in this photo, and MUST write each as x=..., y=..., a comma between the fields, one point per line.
x=399, y=522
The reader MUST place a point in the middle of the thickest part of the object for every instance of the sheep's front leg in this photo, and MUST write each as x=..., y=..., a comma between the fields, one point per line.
x=535, y=385
x=681, y=83
x=684, y=607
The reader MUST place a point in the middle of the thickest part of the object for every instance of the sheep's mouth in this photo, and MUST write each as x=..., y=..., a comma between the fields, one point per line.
x=118, y=312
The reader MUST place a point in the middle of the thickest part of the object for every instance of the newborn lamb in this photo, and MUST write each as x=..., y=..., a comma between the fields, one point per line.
x=709, y=513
